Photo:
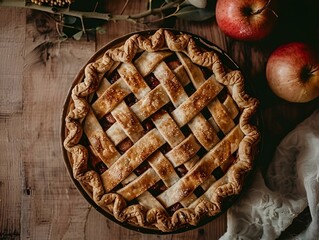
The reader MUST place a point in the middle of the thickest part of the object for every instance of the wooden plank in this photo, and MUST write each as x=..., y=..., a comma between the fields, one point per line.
x=10, y=179
x=12, y=28
x=52, y=207
x=114, y=30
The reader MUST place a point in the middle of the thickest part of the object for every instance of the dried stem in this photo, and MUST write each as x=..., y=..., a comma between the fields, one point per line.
x=124, y=7
x=90, y=15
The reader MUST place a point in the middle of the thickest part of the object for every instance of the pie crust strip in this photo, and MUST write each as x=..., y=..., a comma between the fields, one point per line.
x=110, y=98
x=132, y=159
x=196, y=102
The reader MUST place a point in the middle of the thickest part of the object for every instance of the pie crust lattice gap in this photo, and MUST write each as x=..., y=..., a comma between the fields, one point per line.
x=158, y=131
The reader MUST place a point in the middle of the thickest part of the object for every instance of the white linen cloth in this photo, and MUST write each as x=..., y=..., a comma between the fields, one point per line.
x=291, y=184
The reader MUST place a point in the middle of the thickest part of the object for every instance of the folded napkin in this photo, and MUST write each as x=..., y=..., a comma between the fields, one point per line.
x=291, y=184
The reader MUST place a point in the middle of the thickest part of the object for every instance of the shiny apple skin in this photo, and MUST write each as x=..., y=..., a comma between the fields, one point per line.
x=235, y=20
x=292, y=72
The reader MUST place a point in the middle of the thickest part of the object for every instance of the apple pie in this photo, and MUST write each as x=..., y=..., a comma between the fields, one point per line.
x=158, y=131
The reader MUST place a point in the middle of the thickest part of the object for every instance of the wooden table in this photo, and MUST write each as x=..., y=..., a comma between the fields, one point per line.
x=37, y=198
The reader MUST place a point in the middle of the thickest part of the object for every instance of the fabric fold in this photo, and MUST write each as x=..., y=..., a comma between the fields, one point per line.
x=291, y=184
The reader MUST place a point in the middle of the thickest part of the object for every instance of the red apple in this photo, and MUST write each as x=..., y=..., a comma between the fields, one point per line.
x=249, y=20
x=292, y=72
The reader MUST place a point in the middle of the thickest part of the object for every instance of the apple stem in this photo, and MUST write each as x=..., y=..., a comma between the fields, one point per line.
x=265, y=7
x=314, y=70
x=307, y=71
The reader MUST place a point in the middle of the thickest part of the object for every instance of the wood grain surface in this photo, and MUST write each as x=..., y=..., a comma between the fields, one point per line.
x=37, y=197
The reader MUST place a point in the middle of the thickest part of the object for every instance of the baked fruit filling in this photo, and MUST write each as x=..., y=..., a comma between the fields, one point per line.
x=159, y=132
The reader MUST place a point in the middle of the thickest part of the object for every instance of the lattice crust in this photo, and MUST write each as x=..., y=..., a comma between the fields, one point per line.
x=168, y=155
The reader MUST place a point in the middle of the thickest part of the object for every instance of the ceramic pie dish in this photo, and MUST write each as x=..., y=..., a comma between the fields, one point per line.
x=158, y=131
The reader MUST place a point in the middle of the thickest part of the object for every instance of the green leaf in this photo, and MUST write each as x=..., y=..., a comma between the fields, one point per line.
x=78, y=35
x=192, y=13
x=69, y=20
x=198, y=3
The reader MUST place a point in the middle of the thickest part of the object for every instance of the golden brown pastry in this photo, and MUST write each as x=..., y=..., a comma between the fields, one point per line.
x=158, y=131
